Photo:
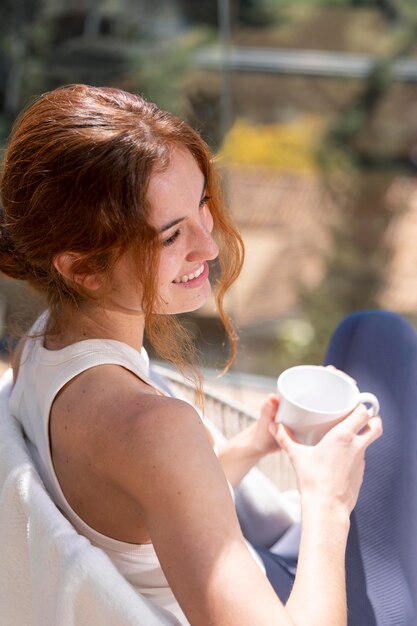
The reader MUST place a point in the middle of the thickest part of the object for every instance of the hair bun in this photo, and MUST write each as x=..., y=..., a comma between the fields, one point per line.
x=12, y=263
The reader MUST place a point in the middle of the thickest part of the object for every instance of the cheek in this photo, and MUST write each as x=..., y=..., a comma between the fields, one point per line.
x=208, y=220
x=168, y=267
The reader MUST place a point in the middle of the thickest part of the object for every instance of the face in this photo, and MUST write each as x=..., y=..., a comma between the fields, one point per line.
x=181, y=216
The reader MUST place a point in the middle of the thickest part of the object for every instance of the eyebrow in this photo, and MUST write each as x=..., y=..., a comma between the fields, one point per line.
x=181, y=219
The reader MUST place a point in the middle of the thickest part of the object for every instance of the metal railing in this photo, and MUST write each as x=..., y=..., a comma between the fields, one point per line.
x=231, y=417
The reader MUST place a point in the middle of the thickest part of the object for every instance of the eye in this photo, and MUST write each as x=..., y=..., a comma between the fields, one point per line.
x=172, y=239
x=204, y=201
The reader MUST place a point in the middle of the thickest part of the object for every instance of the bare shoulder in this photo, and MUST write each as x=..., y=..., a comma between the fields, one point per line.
x=110, y=405
x=124, y=428
x=111, y=395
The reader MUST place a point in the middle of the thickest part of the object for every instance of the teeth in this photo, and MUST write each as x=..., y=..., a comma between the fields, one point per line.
x=187, y=277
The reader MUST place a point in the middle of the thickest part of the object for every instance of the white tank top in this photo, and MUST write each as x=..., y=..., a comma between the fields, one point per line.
x=42, y=374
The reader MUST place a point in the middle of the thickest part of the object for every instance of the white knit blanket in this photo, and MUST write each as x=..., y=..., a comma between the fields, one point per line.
x=49, y=574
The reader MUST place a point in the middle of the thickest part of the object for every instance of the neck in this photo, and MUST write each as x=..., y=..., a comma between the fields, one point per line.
x=96, y=323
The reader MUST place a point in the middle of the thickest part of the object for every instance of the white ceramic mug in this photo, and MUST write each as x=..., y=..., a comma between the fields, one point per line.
x=313, y=399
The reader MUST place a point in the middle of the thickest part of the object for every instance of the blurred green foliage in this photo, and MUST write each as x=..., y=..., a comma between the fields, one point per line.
x=154, y=77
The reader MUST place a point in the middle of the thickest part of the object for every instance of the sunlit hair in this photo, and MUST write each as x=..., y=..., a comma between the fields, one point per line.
x=75, y=179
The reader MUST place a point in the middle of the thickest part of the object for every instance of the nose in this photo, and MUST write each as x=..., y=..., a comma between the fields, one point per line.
x=202, y=245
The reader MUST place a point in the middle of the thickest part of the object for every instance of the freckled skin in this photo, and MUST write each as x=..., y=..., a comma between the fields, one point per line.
x=173, y=194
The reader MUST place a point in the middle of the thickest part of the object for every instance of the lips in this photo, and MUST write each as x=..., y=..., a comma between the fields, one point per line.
x=186, y=277
x=198, y=277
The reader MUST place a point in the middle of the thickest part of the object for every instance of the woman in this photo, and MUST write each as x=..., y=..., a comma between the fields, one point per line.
x=113, y=210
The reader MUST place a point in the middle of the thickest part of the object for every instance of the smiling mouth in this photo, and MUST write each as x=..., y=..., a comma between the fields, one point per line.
x=186, y=277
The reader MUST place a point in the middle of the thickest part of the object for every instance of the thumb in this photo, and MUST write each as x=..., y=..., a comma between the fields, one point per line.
x=284, y=437
x=273, y=429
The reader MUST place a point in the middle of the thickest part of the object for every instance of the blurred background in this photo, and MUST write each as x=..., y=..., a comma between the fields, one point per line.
x=311, y=109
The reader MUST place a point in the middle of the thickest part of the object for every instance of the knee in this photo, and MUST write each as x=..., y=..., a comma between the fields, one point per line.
x=369, y=330
x=379, y=321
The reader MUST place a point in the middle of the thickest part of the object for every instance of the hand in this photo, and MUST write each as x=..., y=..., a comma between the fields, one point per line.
x=259, y=436
x=332, y=367
x=332, y=469
x=238, y=455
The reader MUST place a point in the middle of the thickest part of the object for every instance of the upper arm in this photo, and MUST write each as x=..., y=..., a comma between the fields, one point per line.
x=165, y=463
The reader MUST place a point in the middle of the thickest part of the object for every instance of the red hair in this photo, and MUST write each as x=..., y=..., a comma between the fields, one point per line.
x=75, y=179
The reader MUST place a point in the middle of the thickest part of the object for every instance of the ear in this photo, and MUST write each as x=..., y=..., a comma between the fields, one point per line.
x=64, y=264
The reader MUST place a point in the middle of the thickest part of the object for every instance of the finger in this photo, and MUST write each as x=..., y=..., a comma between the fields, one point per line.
x=284, y=436
x=269, y=408
x=356, y=420
x=274, y=398
x=341, y=372
x=372, y=431
x=273, y=430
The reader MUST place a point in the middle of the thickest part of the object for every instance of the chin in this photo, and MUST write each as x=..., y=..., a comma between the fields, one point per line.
x=193, y=304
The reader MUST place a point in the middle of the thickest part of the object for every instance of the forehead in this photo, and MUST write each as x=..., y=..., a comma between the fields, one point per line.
x=176, y=189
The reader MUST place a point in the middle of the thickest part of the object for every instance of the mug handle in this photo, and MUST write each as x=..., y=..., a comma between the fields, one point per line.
x=369, y=398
